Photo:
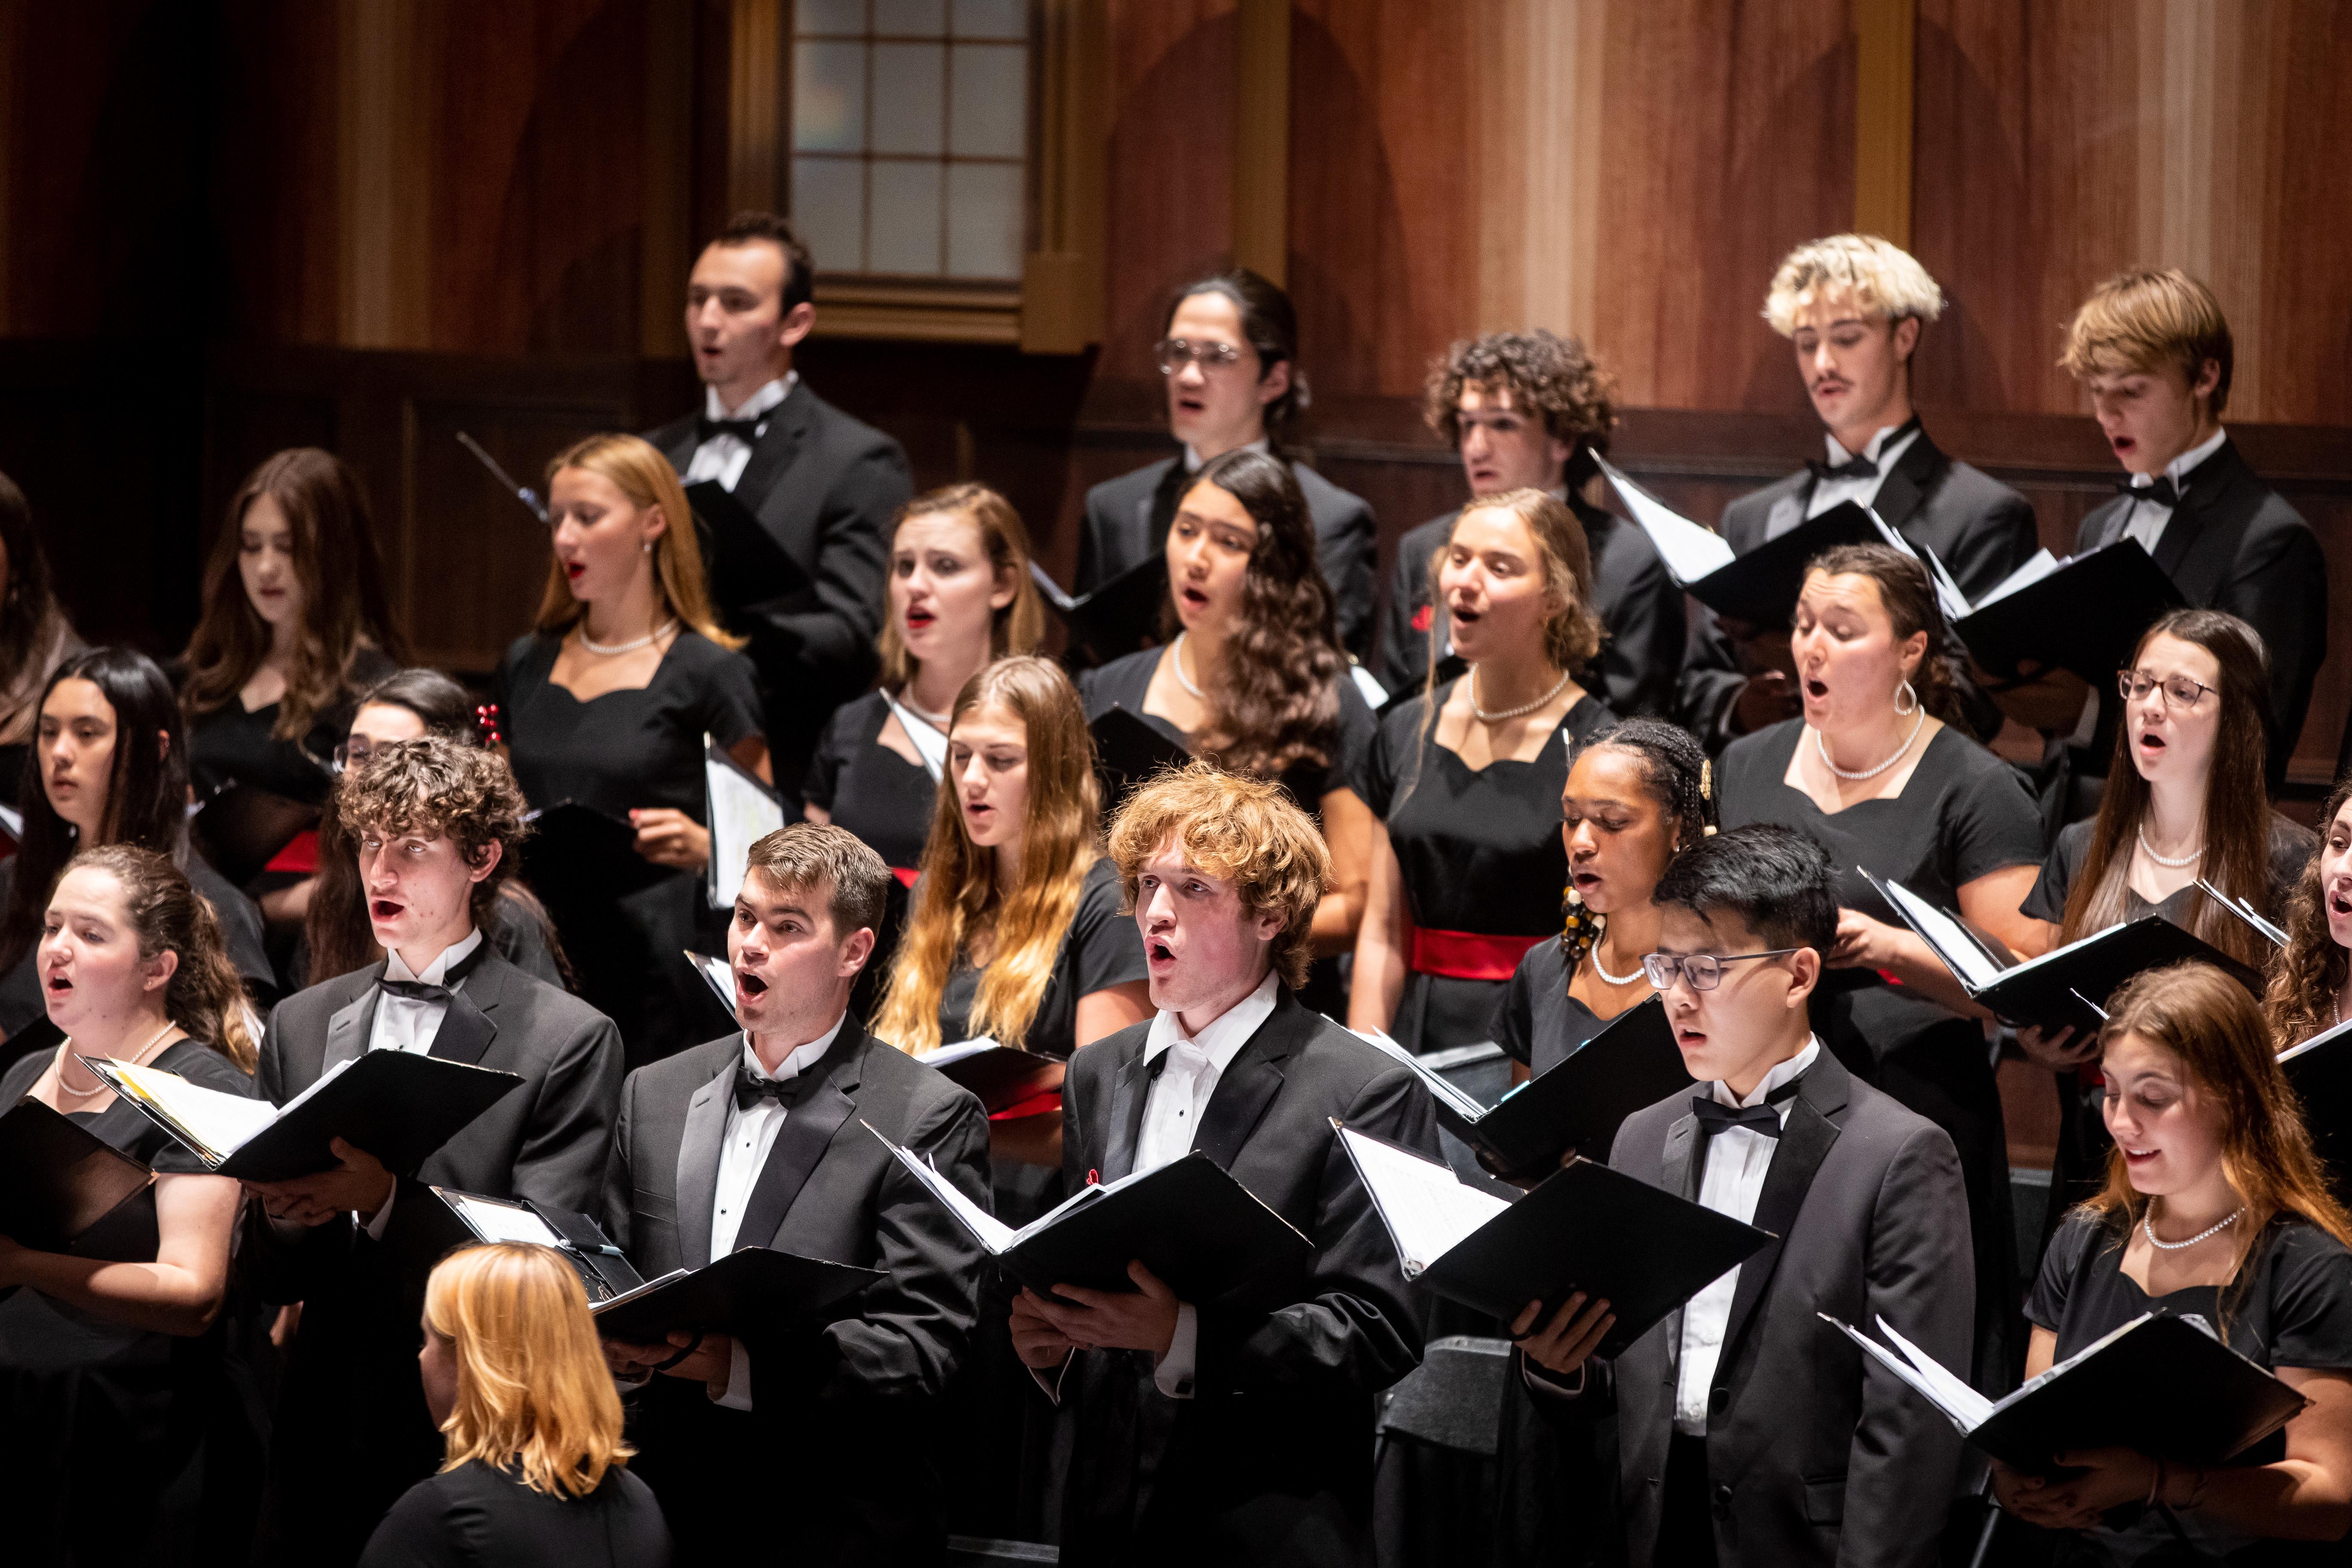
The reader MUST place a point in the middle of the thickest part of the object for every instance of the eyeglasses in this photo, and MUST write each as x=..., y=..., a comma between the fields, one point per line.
x=1175, y=353
x=1704, y=970
x=2179, y=691
x=352, y=752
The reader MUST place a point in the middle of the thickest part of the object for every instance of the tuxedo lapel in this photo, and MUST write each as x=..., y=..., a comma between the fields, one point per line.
x=681, y=447
x=353, y=1022
x=1128, y=1093
x=1159, y=514
x=780, y=442
x=698, y=1157
x=817, y=1113
x=1907, y=485
x=2208, y=483
x=1678, y=1170
x=1250, y=1082
x=466, y=1029
x=1805, y=1142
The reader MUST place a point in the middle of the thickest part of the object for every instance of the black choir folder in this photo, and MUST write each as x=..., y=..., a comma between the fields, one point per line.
x=2320, y=1070
x=2085, y=613
x=57, y=1179
x=1129, y=749
x=742, y=561
x=1119, y=616
x=2161, y=1384
x=240, y=829
x=396, y=1105
x=1001, y=1076
x=2066, y=986
x=1573, y=1106
x=583, y=850
x=1189, y=1222
x=1585, y=1228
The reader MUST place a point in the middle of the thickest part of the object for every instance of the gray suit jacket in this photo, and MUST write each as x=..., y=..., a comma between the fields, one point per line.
x=1127, y=519
x=1815, y=1453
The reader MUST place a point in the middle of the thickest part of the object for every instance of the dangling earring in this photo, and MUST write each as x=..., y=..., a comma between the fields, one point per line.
x=1579, y=928
x=1901, y=693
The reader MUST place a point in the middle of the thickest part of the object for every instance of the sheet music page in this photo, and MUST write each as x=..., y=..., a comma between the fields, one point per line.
x=1952, y=943
x=956, y=1052
x=2321, y=1039
x=1689, y=551
x=1966, y=1420
x=1371, y=690
x=1437, y=1083
x=648, y=1288
x=994, y=1233
x=1952, y=1393
x=717, y=973
x=1949, y=597
x=740, y=813
x=2041, y=564
x=222, y=1122
x=495, y=1221
x=1427, y=1211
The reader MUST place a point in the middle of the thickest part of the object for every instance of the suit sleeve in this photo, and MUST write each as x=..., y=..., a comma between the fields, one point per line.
x=2280, y=589
x=1918, y=1276
x=833, y=642
x=1358, y=1327
x=1348, y=554
x=1091, y=552
x=616, y=1208
x=1709, y=683
x=1641, y=662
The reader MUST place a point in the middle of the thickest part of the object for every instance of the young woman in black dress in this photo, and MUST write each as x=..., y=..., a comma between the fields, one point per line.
x=2213, y=1206
x=1882, y=771
x=295, y=623
x=605, y=704
x=1251, y=674
x=1465, y=779
x=536, y=1475
x=112, y=769
x=111, y=1353
x=958, y=595
x=35, y=638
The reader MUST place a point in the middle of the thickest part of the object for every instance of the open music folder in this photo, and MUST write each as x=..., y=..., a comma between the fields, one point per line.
x=1189, y=1222
x=1129, y=749
x=584, y=851
x=2067, y=987
x=1117, y=616
x=2162, y=1385
x=2320, y=1071
x=58, y=1179
x=742, y=810
x=1002, y=1076
x=2085, y=613
x=240, y=829
x=1585, y=1228
x=397, y=1105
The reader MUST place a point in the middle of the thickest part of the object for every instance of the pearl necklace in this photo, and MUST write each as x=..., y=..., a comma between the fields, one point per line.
x=138, y=1059
x=1594, y=954
x=2189, y=860
x=2148, y=1229
x=936, y=720
x=1498, y=715
x=1176, y=660
x=1900, y=752
x=609, y=650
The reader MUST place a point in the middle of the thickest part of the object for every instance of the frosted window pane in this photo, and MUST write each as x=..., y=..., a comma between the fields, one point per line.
x=990, y=19
x=989, y=102
x=984, y=220
x=829, y=210
x=906, y=225
x=908, y=79
x=830, y=15
x=829, y=98
x=916, y=18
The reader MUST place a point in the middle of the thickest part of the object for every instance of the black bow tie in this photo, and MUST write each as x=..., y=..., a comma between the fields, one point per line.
x=1764, y=1120
x=2163, y=493
x=751, y=1087
x=417, y=990
x=1851, y=468
x=744, y=430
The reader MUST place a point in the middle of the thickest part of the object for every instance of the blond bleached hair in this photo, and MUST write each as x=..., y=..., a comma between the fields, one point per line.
x=1882, y=279
x=639, y=472
x=534, y=1391
x=1017, y=627
x=1238, y=829
x=2142, y=321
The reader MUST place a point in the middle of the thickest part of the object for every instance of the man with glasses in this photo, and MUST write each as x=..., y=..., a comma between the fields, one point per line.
x=1747, y=1430
x=1228, y=353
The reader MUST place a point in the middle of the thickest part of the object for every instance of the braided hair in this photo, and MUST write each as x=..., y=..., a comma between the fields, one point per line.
x=1677, y=773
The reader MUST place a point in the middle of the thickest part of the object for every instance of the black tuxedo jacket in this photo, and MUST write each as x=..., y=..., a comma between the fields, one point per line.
x=2234, y=544
x=1815, y=1453
x=351, y=1430
x=826, y=1407
x=1127, y=519
x=1979, y=528
x=826, y=487
x=1271, y=1460
x=1633, y=596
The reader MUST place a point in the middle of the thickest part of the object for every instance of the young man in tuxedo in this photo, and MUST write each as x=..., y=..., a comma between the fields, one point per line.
x=437, y=826
x=1229, y=355
x=1235, y=1430
x=1749, y=1431
x=1853, y=307
x=2154, y=351
x=1527, y=411
x=827, y=1437
x=823, y=485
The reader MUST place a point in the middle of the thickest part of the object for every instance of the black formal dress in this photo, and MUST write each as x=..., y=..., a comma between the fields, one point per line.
x=870, y=790
x=478, y=1516
x=1962, y=815
x=1638, y=602
x=2083, y=1140
x=623, y=750
x=101, y=1456
x=1128, y=520
x=1538, y=1024
x=825, y=487
x=1101, y=949
x=1485, y=870
x=2290, y=1305
x=231, y=745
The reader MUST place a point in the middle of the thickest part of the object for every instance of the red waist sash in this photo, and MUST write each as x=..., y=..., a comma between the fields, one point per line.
x=1468, y=954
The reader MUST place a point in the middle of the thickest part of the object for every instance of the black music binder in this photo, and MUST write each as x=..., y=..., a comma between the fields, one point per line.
x=1116, y=618
x=240, y=829
x=2085, y=613
x=577, y=850
x=1001, y=1076
x=749, y=1292
x=1129, y=749
x=58, y=1179
x=742, y=561
x=1761, y=587
x=2320, y=1071
x=604, y=1269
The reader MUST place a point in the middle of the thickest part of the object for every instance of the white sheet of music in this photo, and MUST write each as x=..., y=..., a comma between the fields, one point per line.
x=1425, y=1207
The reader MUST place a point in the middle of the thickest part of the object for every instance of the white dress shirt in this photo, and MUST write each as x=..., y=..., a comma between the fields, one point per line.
x=1732, y=1180
x=743, y=1155
x=1828, y=493
x=408, y=1024
x=2145, y=519
x=723, y=457
x=1172, y=1107
x=1194, y=461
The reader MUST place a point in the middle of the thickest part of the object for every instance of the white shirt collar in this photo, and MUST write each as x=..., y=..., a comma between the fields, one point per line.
x=1193, y=460
x=2181, y=466
x=1780, y=1074
x=1876, y=448
x=457, y=952
x=1224, y=1037
x=759, y=402
x=802, y=1058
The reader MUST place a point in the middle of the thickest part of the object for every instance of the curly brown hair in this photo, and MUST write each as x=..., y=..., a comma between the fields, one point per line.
x=439, y=786
x=1545, y=374
x=2310, y=970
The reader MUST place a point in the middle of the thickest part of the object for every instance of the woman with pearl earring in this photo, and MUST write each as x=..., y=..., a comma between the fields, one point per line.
x=1881, y=772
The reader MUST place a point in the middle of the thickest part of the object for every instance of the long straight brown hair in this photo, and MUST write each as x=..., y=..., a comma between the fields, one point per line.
x=339, y=570
x=1058, y=846
x=2237, y=806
